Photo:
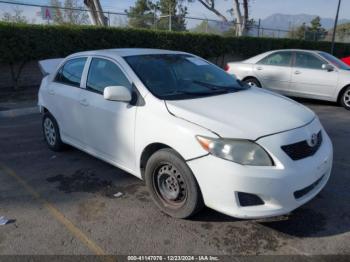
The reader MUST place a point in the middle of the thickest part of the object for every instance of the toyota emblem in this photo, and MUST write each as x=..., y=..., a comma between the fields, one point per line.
x=313, y=140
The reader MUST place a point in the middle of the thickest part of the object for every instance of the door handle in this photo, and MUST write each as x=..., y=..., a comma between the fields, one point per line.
x=297, y=72
x=259, y=68
x=51, y=91
x=84, y=102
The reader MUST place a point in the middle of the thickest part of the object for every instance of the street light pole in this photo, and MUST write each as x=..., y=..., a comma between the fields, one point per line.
x=335, y=27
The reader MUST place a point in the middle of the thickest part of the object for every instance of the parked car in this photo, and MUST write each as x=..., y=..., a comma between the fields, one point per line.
x=194, y=133
x=299, y=73
x=346, y=60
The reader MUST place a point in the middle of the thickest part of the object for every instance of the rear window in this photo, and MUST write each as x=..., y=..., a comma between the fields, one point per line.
x=71, y=72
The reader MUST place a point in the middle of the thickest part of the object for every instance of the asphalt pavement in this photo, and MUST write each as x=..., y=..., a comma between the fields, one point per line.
x=64, y=203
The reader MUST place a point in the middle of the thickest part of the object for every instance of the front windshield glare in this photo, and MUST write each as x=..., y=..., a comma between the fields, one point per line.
x=178, y=76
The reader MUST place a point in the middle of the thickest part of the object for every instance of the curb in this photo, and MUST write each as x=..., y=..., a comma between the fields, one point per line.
x=19, y=112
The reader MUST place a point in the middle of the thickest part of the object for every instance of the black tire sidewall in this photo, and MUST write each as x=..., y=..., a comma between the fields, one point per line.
x=58, y=143
x=193, y=202
x=342, y=102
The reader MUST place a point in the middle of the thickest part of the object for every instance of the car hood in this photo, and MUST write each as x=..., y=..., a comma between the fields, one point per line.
x=247, y=114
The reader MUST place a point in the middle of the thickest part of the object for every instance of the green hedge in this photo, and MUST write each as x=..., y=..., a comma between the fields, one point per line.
x=20, y=43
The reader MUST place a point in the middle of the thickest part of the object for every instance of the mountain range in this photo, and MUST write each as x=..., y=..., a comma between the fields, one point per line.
x=285, y=22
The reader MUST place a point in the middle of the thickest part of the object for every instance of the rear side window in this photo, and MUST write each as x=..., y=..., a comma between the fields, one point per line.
x=277, y=59
x=305, y=60
x=103, y=73
x=71, y=72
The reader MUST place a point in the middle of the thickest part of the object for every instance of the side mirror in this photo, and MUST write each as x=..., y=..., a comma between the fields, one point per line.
x=117, y=93
x=328, y=67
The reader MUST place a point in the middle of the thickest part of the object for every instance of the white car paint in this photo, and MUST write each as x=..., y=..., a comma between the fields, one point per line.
x=118, y=133
x=294, y=81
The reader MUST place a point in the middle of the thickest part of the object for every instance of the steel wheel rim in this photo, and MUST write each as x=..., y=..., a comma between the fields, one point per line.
x=50, y=132
x=252, y=84
x=346, y=98
x=170, y=185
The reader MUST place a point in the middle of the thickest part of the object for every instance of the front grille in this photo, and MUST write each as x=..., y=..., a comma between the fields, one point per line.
x=304, y=191
x=302, y=149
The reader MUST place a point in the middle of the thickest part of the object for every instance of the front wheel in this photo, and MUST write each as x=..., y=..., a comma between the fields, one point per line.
x=172, y=185
x=252, y=82
x=345, y=98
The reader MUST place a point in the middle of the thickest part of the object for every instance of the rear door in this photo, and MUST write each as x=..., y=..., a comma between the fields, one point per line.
x=63, y=95
x=108, y=125
x=309, y=79
x=274, y=71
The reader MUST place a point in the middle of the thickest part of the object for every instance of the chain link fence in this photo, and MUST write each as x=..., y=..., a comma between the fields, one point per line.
x=52, y=15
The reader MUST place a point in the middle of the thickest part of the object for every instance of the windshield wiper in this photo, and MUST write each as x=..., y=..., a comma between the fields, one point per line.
x=200, y=93
x=217, y=87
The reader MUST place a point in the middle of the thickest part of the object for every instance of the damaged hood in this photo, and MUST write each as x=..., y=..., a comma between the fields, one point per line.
x=247, y=114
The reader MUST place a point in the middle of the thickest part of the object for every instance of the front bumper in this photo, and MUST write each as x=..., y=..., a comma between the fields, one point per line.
x=221, y=180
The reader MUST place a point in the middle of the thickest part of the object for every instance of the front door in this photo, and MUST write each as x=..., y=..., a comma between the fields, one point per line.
x=309, y=79
x=109, y=126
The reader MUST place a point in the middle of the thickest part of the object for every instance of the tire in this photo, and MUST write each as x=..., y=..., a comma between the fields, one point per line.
x=51, y=133
x=345, y=98
x=172, y=185
x=251, y=81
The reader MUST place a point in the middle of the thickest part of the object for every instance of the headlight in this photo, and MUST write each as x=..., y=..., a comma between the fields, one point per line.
x=243, y=152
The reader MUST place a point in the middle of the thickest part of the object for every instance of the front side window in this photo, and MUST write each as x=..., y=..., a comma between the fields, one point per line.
x=103, y=73
x=334, y=61
x=71, y=72
x=277, y=59
x=306, y=60
x=180, y=76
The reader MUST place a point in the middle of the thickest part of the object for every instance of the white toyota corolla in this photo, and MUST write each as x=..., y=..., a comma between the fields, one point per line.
x=195, y=134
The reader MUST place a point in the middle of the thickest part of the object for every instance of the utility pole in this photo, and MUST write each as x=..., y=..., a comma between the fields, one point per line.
x=170, y=17
x=335, y=27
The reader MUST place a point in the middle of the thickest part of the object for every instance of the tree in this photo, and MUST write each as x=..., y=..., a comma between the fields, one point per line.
x=96, y=13
x=298, y=32
x=316, y=30
x=16, y=69
x=210, y=5
x=142, y=14
x=206, y=27
x=239, y=7
x=68, y=14
x=176, y=10
x=17, y=17
x=241, y=20
x=342, y=33
x=313, y=32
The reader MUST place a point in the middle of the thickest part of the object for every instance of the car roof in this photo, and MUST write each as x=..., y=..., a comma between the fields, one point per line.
x=256, y=58
x=123, y=52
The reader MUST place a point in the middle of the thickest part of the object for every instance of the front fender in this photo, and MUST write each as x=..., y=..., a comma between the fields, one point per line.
x=154, y=124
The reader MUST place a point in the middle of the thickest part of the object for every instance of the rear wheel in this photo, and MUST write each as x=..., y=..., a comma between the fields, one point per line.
x=172, y=185
x=345, y=98
x=252, y=82
x=51, y=132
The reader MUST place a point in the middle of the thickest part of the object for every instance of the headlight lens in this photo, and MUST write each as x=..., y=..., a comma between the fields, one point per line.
x=243, y=152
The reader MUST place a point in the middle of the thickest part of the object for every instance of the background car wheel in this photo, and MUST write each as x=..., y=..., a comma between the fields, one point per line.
x=345, y=98
x=51, y=132
x=252, y=82
x=172, y=185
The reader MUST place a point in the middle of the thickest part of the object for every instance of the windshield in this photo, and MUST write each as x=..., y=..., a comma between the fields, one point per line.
x=335, y=61
x=180, y=76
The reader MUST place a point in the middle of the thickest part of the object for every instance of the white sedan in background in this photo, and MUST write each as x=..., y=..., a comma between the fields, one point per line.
x=190, y=130
x=299, y=73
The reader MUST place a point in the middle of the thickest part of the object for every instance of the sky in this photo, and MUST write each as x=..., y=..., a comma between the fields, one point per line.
x=258, y=8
